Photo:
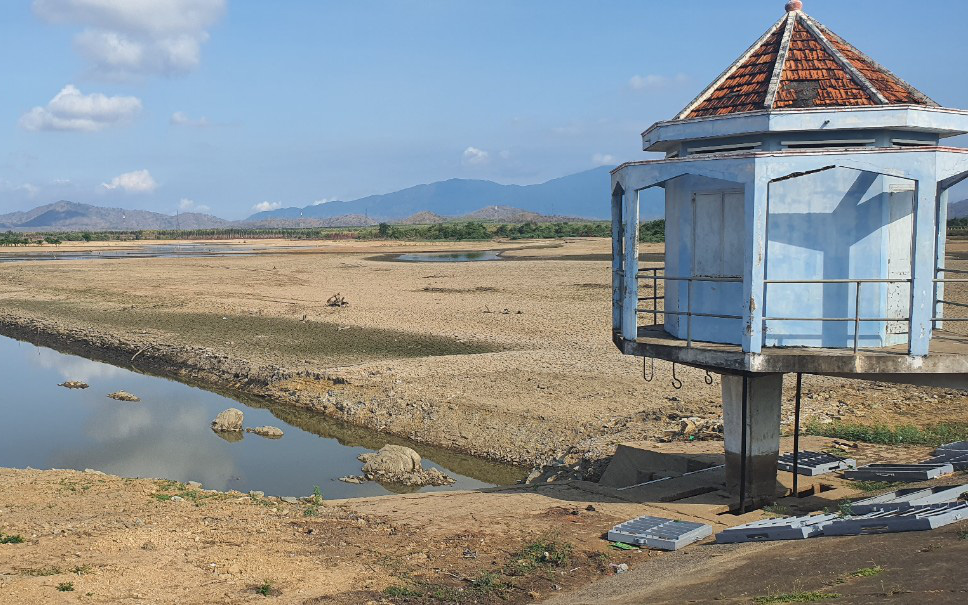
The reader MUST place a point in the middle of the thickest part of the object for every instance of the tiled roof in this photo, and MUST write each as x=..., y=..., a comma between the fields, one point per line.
x=800, y=63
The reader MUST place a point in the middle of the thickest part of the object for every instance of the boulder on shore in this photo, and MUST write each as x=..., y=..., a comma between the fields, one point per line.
x=270, y=432
x=229, y=420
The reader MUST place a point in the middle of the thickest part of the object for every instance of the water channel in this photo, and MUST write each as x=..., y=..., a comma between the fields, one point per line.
x=167, y=434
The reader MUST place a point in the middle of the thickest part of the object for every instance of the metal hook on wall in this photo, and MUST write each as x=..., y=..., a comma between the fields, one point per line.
x=676, y=383
x=651, y=374
x=708, y=378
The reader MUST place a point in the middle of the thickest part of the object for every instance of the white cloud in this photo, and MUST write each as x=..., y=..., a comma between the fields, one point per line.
x=656, y=82
x=324, y=200
x=72, y=110
x=138, y=181
x=136, y=37
x=180, y=118
x=187, y=205
x=267, y=206
x=475, y=157
x=603, y=159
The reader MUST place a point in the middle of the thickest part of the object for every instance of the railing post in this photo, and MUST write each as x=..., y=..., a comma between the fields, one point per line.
x=655, y=297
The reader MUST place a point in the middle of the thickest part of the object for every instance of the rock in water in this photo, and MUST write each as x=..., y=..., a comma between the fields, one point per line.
x=401, y=465
x=229, y=420
x=391, y=459
x=74, y=384
x=271, y=432
x=124, y=396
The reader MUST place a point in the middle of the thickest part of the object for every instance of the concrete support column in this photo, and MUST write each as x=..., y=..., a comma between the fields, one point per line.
x=630, y=302
x=764, y=396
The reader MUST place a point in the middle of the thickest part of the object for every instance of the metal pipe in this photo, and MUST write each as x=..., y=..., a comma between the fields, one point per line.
x=839, y=281
x=834, y=319
x=856, y=318
x=689, y=315
x=796, y=437
x=743, y=447
x=713, y=315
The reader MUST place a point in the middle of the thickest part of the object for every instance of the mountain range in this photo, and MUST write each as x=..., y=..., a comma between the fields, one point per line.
x=583, y=195
x=578, y=196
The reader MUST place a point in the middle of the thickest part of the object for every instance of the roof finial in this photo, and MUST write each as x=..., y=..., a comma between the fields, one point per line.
x=794, y=5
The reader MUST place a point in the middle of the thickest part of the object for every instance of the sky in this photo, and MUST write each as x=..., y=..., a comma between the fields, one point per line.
x=234, y=106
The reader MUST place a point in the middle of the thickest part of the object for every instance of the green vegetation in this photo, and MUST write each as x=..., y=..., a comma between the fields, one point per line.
x=799, y=596
x=266, y=589
x=544, y=554
x=874, y=486
x=11, y=539
x=867, y=572
x=777, y=509
x=934, y=435
x=651, y=231
x=66, y=587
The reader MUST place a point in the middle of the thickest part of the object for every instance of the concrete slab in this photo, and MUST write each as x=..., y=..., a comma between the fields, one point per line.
x=659, y=533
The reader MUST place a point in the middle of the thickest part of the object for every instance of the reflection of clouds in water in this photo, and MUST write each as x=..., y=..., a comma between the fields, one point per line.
x=74, y=368
x=136, y=441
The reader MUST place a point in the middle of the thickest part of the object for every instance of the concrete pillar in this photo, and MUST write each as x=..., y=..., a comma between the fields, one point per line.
x=762, y=433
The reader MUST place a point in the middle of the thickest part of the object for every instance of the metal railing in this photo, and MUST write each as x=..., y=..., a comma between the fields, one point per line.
x=856, y=319
x=652, y=276
x=652, y=273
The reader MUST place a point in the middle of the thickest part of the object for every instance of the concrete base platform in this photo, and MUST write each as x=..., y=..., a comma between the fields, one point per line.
x=945, y=366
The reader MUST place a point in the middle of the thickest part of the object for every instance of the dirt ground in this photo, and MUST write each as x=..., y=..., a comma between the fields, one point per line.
x=511, y=360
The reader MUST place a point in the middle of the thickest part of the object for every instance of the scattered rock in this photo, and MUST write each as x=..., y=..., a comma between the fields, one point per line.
x=290, y=500
x=353, y=479
x=176, y=499
x=270, y=432
x=620, y=568
x=229, y=420
x=694, y=428
x=337, y=300
x=74, y=384
x=401, y=465
x=194, y=485
x=257, y=494
x=124, y=396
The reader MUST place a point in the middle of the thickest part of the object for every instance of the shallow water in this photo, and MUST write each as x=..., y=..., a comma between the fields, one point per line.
x=153, y=251
x=167, y=434
x=450, y=257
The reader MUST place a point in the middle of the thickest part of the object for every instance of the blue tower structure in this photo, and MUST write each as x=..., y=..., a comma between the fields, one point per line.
x=805, y=204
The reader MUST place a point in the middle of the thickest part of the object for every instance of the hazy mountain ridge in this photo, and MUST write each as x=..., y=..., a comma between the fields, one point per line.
x=75, y=216
x=578, y=196
x=584, y=195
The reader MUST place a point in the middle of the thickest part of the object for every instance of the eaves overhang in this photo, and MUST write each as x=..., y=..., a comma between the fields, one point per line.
x=663, y=136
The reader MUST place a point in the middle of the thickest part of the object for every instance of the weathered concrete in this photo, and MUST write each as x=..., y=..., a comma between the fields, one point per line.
x=762, y=429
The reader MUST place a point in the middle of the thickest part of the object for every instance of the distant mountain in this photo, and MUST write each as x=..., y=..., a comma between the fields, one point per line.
x=73, y=216
x=584, y=195
x=955, y=209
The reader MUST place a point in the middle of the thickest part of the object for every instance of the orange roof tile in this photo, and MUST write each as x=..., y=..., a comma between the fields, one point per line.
x=800, y=63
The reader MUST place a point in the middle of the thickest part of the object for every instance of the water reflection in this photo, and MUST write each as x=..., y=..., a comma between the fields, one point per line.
x=167, y=434
x=449, y=257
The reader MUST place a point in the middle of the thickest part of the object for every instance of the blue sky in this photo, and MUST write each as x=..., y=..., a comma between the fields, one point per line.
x=225, y=105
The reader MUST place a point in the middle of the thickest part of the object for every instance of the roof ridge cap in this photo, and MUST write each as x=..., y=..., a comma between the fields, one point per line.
x=845, y=63
x=781, y=58
x=729, y=70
